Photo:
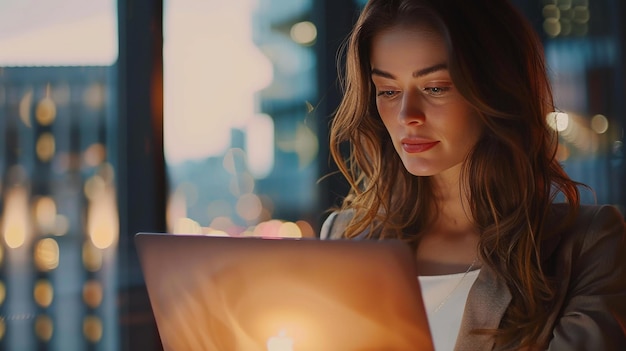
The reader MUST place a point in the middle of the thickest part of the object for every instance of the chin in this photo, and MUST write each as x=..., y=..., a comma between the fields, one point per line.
x=429, y=169
x=426, y=168
x=421, y=174
x=420, y=166
x=419, y=171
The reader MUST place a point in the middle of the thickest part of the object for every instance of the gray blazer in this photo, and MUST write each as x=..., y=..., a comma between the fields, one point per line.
x=590, y=266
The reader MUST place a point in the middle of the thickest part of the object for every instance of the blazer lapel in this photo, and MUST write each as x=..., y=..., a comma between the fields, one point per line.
x=487, y=301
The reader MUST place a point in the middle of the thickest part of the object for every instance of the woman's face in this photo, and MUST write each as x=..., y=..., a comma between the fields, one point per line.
x=431, y=125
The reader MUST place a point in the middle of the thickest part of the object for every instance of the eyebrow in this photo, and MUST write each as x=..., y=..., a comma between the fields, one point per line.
x=416, y=74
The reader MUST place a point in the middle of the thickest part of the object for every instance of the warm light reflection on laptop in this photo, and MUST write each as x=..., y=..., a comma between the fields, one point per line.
x=280, y=342
x=279, y=314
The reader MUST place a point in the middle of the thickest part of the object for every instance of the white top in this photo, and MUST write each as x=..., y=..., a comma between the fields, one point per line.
x=444, y=298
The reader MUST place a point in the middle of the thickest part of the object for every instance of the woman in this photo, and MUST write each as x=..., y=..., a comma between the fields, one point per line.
x=444, y=109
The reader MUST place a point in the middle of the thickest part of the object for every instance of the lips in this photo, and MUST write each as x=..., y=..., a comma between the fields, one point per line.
x=413, y=146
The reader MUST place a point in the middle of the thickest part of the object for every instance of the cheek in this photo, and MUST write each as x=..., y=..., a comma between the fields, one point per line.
x=465, y=126
x=388, y=109
x=386, y=114
x=380, y=107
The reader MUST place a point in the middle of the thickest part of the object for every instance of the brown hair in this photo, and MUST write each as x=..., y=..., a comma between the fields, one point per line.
x=511, y=176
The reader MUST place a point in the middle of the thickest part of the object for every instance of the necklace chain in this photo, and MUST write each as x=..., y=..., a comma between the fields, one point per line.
x=443, y=302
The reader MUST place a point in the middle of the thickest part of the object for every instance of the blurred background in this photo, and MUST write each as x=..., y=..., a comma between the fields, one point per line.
x=207, y=116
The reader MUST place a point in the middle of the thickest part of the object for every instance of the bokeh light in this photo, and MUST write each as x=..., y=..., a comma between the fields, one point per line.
x=94, y=96
x=16, y=222
x=551, y=11
x=599, y=124
x=94, y=155
x=25, y=106
x=581, y=14
x=44, y=327
x=45, y=147
x=249, y=207
x=43, y=293
x=92, y=328
x=552, y=26
x=563, y=18
x=558, y=121
x=46, y=111
x=187, y=226
x=289, y=230
x=61, y=225
x=92, y=257
x=102, y=217
x=226, y=225
x=306, y=229
x=45, y=214
x=46, y=255
x=94, y=187
x=304, y=33
x=92, y=293
x=269, y=228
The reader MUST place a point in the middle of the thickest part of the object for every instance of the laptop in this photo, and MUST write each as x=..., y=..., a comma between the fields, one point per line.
x=263, y=294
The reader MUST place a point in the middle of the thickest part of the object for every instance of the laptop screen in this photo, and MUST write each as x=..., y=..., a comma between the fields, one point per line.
x=219, y=293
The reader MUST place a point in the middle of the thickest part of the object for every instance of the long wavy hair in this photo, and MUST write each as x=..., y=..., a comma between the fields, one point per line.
x=511, y=176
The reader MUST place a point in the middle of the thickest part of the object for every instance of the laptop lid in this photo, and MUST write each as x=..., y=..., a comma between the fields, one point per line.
x=249, y=294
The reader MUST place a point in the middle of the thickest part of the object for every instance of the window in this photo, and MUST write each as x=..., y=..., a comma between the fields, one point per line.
x=240, y=131
x=57, y=197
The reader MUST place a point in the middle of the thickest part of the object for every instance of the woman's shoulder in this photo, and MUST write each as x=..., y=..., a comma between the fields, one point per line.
x=593, y=223
x=589, y=267
x=587, y=216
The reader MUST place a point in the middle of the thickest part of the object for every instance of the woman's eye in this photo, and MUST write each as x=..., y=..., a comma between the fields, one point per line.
x=436, y=91
x=387, y=93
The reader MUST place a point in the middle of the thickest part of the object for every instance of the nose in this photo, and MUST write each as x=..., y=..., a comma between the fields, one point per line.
x=412, y=111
